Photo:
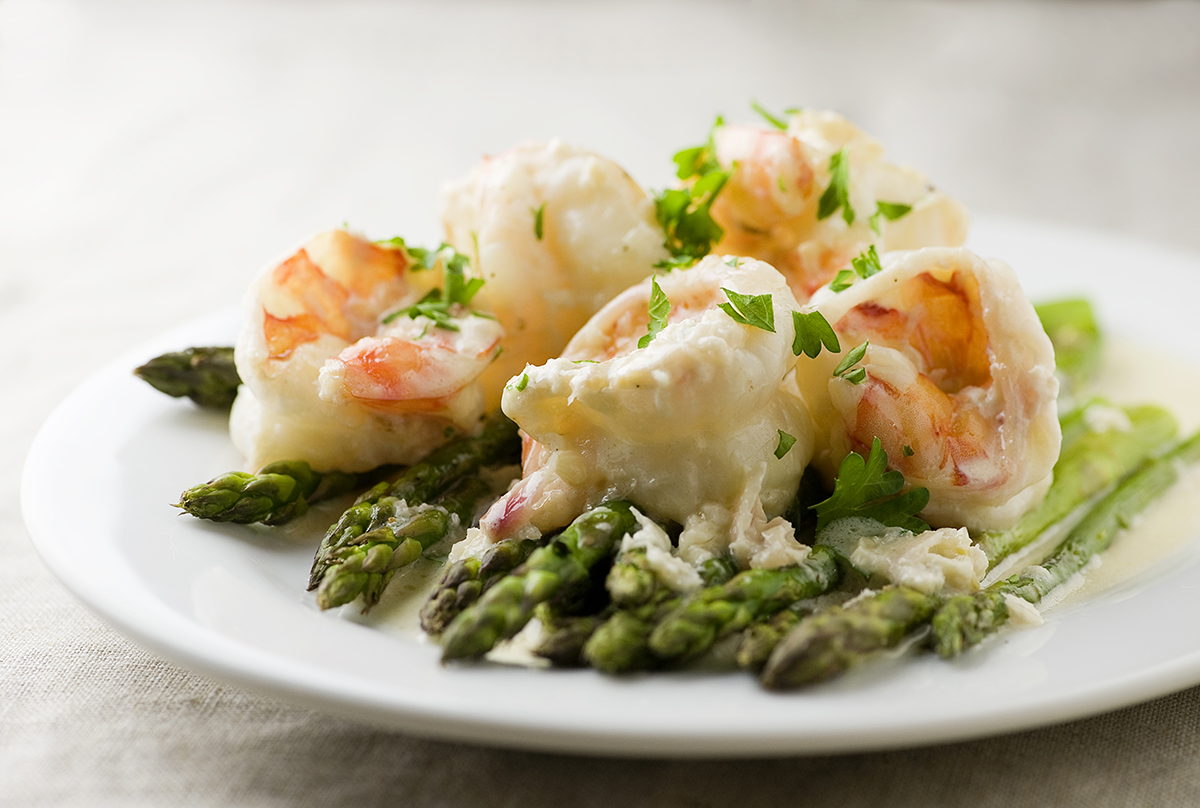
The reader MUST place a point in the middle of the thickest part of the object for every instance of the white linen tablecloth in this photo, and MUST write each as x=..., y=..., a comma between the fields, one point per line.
x=154, y=155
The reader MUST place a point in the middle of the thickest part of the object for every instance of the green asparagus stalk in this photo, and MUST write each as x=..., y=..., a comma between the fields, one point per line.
x=277, y=493
x=205, y=375
x=366, y=566
x=696, y=624
x=559, y=573
x=621, y=643
x=1072, y=328
x=462, y=457
x=563, y=638
x=1089, y=463
x=830, y=642
x=966, y=620
x=759, y=639
x=466, y=580
x=631, y=581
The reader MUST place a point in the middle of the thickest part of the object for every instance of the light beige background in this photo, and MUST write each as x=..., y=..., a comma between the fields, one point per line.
x=154, y=155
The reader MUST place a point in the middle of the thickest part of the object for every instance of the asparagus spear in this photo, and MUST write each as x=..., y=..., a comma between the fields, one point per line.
x=759, y=639
x=464, y=581
x=966, y=620
x=278, y=492
x=830, y=642
x=366, y=565
x=621, y=642
x=558, y=572
x=696, y=624
x=1071, y=326
x=563, y=638
x=461, y=457
x=205, y=375
x=1089, y=463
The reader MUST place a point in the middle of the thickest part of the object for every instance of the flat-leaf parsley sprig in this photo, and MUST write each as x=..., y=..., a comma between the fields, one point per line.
x=685, y=214
x=659, y=307
x=867, y=489
x=457, y=289
x=752, y=310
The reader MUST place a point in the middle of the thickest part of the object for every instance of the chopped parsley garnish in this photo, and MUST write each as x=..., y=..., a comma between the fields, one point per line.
x=888, y=210
x=843, y=280
x=865, y=265
x=865, y=488
x=660, y=307
x=777, y=122
x=456, y=289
x=837, y=194
x=755, y=310
x=685, y=214
x=786, y=442
x=906, y=450
x=519, y=383
x=846, y=370
x=421, y=257
x=539, y=221
x=813, y=331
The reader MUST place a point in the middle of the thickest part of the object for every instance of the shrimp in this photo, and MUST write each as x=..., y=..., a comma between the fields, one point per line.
x=329, y=380
x=959, y=388
x=688, y=427
x=770, y=206
x=556, y=232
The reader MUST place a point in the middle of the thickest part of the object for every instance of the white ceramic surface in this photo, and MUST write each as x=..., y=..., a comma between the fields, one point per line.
x=230, y=601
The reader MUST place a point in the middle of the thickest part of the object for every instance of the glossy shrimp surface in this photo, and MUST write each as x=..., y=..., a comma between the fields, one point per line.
x=686, y=427
x=328, y=381
x=770, y=207
x=959, y=384
x=556, y=232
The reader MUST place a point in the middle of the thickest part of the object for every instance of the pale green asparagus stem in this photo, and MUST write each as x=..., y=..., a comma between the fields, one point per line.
x=966, y=620
x=1089, y=463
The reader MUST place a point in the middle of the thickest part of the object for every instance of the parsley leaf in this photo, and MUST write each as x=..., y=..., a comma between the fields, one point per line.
x=660, y=307
x=837, y=194
x=842, y=281
x=755, y=310
x=685, y=214
x=846, y=370
x=778, y=123
x=888, y=210
x=813, y=331
x=786, y=442
x=539, y=221
x=867, y=263
x=456, y=289
x=865, y=488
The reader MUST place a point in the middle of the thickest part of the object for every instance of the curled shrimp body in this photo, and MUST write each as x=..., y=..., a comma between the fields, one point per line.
x=687, y=427
x=959, y=385
x=556, y=232
x=770, y=207
x=327, y=381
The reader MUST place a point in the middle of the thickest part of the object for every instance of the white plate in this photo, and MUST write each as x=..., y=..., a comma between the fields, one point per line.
x=230, y=601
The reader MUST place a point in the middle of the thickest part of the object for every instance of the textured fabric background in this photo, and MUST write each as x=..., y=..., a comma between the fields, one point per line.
x=153, y=156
